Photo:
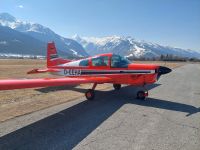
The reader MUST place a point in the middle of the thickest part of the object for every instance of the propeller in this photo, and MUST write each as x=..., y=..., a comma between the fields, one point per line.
x=162, y=70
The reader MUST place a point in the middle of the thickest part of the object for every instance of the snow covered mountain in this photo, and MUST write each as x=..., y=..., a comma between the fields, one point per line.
x=129, y=47
x=44, y=34
x=15, y=42
x=78, y=46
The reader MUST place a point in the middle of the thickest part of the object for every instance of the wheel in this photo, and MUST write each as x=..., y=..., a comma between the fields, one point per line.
x=90, y=94
x=117, y=86
x=142, y=95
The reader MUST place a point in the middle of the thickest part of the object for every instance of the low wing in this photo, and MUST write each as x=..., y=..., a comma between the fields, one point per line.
x=10, y=84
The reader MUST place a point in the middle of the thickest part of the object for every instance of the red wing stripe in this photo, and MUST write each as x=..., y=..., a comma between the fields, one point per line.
x=33, y=83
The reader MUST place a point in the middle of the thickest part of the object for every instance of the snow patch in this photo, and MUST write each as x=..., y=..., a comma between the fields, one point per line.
x=11, y=55
x=138, y=51
x=3, y=42
x=15, y=40
x=103, y=41
x=75, y=53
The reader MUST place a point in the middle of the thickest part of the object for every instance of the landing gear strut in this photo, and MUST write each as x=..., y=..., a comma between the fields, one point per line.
x=90, y=94
x=141, y=95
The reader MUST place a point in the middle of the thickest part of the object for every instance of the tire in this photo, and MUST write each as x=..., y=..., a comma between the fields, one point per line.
x=117, y=86
x=90, y=94
x=141, y=95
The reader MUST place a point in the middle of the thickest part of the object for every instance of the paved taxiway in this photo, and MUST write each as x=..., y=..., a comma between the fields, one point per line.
x=170, y=119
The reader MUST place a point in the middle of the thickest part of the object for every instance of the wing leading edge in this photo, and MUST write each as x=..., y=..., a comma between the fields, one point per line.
x=11, y=84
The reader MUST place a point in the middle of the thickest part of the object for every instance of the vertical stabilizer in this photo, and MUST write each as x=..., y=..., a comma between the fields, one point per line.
x=52, y=57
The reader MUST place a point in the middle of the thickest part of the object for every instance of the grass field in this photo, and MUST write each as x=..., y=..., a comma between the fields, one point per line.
x=14, y=103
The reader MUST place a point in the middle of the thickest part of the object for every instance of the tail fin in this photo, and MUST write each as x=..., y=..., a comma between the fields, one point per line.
x=52, y=56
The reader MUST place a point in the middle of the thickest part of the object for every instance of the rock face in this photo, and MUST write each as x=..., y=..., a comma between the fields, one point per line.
x=43, y=34
x=129, y=47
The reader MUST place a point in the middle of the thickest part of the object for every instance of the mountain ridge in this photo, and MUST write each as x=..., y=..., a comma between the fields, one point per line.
x=44, y=34
x=130, y=47
x=81, y=46
x=15, y=42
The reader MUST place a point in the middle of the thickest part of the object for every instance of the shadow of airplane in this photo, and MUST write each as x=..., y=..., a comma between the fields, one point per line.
x=75, y=88
x=64, y=130
x=163, y=104
x=55, y=88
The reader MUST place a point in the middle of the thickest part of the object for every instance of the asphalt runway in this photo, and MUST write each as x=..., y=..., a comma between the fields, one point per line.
x=168, y=120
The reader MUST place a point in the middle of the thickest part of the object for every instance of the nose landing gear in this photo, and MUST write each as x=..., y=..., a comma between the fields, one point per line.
x=141, y=95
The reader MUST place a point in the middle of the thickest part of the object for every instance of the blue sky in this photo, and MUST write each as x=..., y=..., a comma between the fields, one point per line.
x=168, y=22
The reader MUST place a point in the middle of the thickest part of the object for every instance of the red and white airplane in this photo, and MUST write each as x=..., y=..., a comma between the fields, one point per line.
x=103, y=68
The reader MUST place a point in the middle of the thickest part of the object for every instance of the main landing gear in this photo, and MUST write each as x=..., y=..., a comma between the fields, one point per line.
x=90, y=94
x=141, y=95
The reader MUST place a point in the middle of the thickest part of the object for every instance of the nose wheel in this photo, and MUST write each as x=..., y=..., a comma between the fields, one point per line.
x=141, y=95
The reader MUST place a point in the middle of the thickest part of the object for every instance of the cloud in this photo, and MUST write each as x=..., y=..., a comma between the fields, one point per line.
x=20, y=6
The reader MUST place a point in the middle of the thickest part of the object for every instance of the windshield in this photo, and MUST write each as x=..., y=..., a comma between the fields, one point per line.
x=84, y=62
x=119, y=62
x=100, y=61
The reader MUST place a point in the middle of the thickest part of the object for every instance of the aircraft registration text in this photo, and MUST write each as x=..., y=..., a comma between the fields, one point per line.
x=72, y=72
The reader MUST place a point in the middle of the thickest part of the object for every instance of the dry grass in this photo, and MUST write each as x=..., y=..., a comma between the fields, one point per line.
x=14, y=103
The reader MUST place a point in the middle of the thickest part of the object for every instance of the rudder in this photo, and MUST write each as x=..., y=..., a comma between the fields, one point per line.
x=52, y=57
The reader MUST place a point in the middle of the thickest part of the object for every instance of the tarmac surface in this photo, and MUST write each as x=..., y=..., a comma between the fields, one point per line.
x=168, y=120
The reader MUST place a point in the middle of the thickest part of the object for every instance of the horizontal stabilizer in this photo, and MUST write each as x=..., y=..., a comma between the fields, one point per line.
x=42, y=70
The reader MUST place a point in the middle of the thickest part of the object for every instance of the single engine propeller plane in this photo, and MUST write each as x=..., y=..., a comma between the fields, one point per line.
x=103, y=68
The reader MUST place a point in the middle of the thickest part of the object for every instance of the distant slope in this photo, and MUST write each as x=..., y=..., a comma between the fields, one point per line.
x=12, y=41
x=128, y=46
x=70, y=47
